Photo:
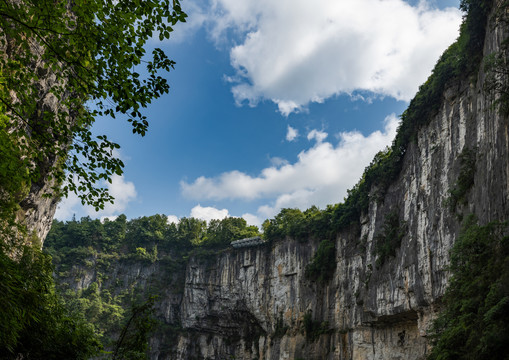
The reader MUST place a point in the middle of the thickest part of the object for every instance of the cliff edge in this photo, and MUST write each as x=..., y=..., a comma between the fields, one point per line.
x=383, y=257
x=258, y=303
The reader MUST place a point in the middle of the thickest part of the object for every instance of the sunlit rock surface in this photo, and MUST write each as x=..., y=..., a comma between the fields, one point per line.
x=251, y=302
x=232, y=306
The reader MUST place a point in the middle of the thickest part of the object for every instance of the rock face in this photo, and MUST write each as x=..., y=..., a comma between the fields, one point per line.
x=255, y=302
x=36, y=211
x=252, y=303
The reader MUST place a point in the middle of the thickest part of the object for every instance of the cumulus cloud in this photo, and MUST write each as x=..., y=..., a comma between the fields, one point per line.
x=291, y=133
x=123, y=191
x=173, y=219
x=67, y=207
x=297, y=52
x=320, y=176
x=252, y=219
x=110, y=218
x=208, y=213
x=317, y=135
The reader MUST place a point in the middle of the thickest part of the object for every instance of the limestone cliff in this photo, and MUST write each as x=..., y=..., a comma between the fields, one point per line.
x=256, y=302
x=40, y=97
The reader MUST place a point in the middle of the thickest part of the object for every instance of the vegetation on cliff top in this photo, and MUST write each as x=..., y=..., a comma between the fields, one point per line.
x=98, y=248
x=460, y=61
x=125, y=237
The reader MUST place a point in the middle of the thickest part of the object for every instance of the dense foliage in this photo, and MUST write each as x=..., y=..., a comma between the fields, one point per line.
x=65, y=63
x=299, y=225
x=474, y=323
x=92, y=246
x=89, y=57
x=133, y=340
x=35, y=323
x=123, y=237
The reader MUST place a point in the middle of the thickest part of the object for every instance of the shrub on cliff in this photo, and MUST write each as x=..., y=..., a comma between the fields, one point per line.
x=388, y=240
x=474, y=323
x=322, y=266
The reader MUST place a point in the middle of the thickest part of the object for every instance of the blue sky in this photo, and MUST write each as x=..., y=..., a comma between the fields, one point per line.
x=273, y=104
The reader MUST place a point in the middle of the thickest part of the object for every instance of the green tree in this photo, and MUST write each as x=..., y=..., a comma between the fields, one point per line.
x=34, y=321
x=220, y=233
x=115, y=232
x=65, y=63
x=474, y=323
x=191, y=231
x=133, y=340
x=289, y=222
x=146, y=231
x=90, y=57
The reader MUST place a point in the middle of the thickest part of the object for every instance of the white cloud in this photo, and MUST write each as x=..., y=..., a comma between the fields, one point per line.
x=285, y=106
x=66, y=208
x=277, y=161
x=173, y=219
x=297, y=52
x=321, y=175
x=252, y=219
x=317, y=135
x=208, y=213
x=123, y=191
x=291, y=134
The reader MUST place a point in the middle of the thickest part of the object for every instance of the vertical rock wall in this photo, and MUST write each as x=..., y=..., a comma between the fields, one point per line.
x=36, y=210
x=251, y=303
x=255, y=302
